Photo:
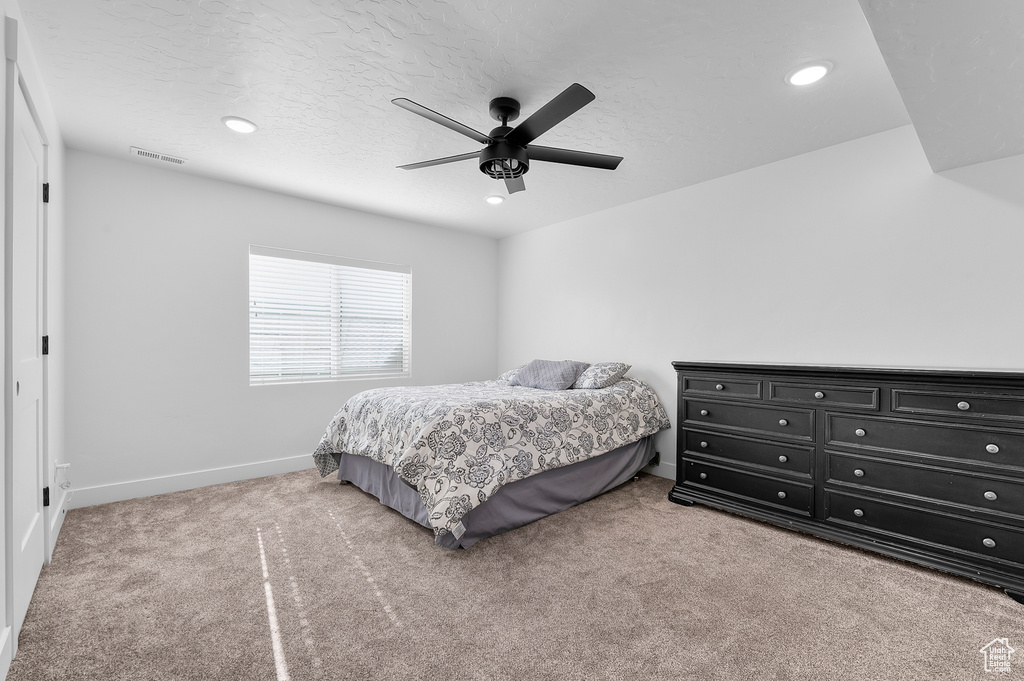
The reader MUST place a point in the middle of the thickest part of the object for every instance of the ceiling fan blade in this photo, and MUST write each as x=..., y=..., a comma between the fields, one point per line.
x=440, y=161
x=516, y=185
x=571, y=100
x=441, y=119
x=572, y=157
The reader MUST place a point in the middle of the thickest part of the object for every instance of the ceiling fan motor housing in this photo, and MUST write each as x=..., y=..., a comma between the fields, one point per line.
x=503, y=160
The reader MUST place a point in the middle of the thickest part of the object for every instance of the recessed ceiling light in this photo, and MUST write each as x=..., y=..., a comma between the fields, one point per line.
x=811, y=73
x=239, y=124
x=495, y=200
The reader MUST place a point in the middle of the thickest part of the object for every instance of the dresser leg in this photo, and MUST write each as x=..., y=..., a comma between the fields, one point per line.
x=1015, y=595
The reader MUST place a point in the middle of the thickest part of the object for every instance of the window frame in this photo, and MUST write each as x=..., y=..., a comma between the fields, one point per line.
x=340, y=369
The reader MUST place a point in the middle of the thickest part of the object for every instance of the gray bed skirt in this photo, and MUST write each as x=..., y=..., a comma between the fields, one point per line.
x=515, y=504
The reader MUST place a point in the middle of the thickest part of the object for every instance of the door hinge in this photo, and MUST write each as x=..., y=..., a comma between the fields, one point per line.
x=46, y=345
x=46, y=496
x=46, y=192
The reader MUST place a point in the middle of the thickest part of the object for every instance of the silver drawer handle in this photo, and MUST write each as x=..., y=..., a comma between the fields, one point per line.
x=783, y=458
x=818, y=395
x=989, y=543
x=858, y=472
x=992, y=449
x=783, y=422
x=703, y=476
x=719, y=387
x=860, y=432
x=991, y=496
x=704, y=445
x=703, y=412
x=782, y=495
x=859, y=513
x=963, y=406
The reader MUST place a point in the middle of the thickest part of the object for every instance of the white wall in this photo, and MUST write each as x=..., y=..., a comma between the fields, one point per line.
x=856, y=254
x=158, y=394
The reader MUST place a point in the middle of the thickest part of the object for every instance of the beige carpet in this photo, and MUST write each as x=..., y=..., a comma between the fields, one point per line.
x=627, y=586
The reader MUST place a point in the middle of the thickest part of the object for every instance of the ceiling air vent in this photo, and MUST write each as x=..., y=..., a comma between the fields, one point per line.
x=156, y=156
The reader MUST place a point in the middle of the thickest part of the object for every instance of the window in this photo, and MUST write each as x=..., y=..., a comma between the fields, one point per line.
x=318, y=317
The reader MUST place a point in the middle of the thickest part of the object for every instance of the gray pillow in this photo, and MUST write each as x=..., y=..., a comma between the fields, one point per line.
x=549, y=374
x=601, y=375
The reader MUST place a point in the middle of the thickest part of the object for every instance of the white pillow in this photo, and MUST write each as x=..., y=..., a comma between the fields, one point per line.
x=601, y=375
x=510, y=374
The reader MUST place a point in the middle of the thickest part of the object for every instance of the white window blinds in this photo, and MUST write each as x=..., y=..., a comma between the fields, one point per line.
x=318, y=317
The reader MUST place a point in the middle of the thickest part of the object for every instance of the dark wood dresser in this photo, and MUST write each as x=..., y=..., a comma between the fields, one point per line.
x=923, y=465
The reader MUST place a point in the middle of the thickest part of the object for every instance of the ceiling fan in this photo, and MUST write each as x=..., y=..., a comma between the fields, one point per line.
x=509, y=151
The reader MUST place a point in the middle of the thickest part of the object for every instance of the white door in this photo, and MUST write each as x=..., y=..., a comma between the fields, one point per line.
x=25, y=263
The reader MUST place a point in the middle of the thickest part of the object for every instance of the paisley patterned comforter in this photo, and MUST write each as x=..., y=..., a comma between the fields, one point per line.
x=458, y=444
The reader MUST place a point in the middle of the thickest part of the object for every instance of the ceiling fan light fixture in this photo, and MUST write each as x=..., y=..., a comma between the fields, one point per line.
x=504, y=168
x=239, y=124
x=504, y=161
x=495, y=200
x=809, y=73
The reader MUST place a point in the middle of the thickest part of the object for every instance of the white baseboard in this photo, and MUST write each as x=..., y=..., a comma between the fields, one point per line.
x=56, y=520
x=132, y=489
x=666, y=469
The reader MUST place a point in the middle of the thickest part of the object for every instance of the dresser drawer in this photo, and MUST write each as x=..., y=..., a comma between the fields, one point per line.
x=987, y=539
x=788, y=458
x=789, y=423
x=974, y=444
x=983, y=405
x=847, y=397
x=947, y=485
x=786, y=494
x=723, y=387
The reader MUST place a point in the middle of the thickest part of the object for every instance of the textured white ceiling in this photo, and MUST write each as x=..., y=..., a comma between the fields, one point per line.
x=960, y=68
x=686, y=91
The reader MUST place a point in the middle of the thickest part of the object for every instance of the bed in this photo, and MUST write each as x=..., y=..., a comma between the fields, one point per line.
x=472, y=460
